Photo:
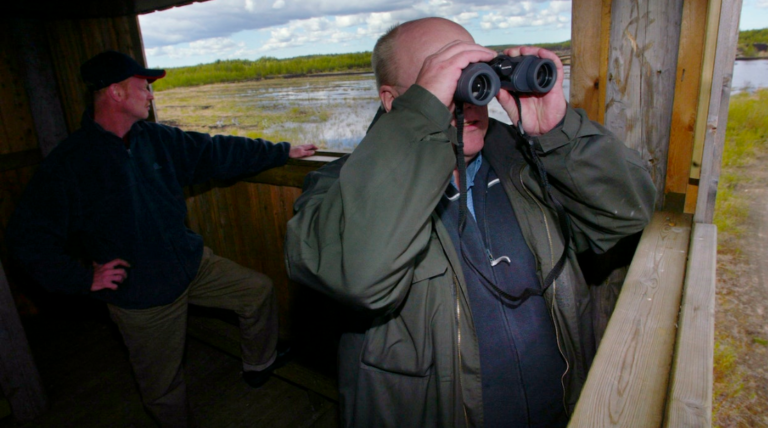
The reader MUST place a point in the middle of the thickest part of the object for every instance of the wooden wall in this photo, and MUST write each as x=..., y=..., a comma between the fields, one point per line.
x=637, y=70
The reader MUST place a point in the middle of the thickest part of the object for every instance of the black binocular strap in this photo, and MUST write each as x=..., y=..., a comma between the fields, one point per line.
x=563, y=219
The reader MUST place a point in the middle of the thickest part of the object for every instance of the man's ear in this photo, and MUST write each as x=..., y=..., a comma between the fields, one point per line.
x=115, y=91
x=387, y=94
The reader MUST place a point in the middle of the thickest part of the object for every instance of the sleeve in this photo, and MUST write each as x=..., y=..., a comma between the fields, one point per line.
x=605, y=187
x=38, y=236
x=362, y=225
x=201, y=157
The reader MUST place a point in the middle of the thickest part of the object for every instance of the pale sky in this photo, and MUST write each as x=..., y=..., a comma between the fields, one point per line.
x=250, y=29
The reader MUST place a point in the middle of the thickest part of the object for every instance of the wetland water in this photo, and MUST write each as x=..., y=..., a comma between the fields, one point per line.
x=335, y=111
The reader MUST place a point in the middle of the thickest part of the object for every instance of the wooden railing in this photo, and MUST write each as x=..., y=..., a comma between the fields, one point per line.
x=654, y=365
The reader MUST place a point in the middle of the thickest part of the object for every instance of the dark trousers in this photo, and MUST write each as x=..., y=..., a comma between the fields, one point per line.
x=155, y=337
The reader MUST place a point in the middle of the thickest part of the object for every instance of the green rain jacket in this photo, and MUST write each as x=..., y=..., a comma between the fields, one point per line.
x=365, y=233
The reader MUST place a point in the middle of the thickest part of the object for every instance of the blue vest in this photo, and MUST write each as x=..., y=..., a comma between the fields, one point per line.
x=521, y=365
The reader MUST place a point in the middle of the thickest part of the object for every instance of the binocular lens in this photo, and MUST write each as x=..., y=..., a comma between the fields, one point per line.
x=545, y=76
x=480, y=87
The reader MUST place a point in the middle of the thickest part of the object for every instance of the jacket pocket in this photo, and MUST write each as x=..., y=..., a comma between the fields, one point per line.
x=402, y=342
x=397, y=347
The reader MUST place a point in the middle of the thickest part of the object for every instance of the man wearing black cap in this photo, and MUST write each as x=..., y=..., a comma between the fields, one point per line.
x=104, y=216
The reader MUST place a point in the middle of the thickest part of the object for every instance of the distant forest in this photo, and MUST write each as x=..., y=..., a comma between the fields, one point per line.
x=750, y=44
x=747, y=41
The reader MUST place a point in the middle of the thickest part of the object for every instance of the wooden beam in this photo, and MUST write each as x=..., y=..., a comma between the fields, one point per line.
x=19, y=378
x=712, y=155
x=40, y=82
x=627, y=383
x=590, y=36
x=690, y=393
x=705, y=93
x=641, y=78
x=688, y=87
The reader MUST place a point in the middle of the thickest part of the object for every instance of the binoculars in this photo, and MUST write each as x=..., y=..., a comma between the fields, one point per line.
x=480, y=82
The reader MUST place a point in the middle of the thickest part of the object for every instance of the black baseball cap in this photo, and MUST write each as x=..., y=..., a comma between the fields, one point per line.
x=111, y=67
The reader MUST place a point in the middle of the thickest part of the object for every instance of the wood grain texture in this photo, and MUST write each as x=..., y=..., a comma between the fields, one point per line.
x=627, y=383
x=686, y=102
x=727, y=39
x=641, y=78
x=690, y=396
x=590, y=30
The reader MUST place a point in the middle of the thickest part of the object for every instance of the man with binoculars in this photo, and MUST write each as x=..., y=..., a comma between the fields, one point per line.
x=454, y=241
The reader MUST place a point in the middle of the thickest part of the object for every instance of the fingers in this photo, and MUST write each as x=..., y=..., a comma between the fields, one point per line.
x=117, y=262
x=109, y=275
x=442, y=70
x=302, y=151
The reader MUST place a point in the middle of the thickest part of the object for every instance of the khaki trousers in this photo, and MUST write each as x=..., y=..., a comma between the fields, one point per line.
x=155, y=337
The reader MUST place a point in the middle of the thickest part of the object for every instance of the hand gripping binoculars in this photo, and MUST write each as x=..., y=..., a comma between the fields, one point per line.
x=480, y=82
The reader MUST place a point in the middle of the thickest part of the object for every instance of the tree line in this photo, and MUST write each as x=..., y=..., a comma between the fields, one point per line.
x=239, y=70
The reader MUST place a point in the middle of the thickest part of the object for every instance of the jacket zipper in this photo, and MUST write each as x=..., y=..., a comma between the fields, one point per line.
x=554, y=293
x=458, y=341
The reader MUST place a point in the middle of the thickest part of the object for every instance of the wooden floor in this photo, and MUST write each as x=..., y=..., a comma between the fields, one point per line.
x=84, y=368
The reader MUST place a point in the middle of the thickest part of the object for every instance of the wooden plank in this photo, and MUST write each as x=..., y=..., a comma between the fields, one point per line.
x=690, y=402
x=19, y=378
x=590, y=34
x=728, y=37
x=627, y=383
x=705, y=98
x=687, y=88
x=641, y=78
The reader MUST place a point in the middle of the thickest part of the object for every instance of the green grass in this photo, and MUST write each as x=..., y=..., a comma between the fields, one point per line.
x=241, y=70
x=745, y=137
x=728, y=379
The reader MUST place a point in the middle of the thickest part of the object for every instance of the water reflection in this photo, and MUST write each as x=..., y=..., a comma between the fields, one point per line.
x=749, y=75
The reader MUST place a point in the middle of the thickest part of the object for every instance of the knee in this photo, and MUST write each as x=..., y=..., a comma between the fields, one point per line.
x=260, y=292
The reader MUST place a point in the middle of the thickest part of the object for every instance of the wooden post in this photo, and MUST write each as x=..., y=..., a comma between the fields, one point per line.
x=727, y=40
x=641, y=78
x=19, y=378
x=689, y=106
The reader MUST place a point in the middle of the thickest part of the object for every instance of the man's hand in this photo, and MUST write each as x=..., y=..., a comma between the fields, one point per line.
x=441, y=70
x=109, y=275
x=541, y=112
x=302, y=151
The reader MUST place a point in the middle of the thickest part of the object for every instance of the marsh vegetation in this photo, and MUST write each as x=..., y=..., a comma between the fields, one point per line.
x=741, y=332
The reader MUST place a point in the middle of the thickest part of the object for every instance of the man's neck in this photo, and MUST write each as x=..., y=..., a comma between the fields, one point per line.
x=112, y=122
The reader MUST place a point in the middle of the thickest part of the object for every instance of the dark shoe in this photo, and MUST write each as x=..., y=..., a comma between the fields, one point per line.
x=256, y=379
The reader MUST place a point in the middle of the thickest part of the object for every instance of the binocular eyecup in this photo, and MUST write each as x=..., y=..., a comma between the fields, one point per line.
x=528, y=74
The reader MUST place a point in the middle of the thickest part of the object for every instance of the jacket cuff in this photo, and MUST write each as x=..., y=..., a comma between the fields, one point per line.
x=420, y=100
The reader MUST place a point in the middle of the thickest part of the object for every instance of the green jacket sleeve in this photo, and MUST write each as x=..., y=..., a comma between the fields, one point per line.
x=604, y=186
x=361, y=227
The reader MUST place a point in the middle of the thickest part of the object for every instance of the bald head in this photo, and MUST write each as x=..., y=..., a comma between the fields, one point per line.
x=400, y=53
